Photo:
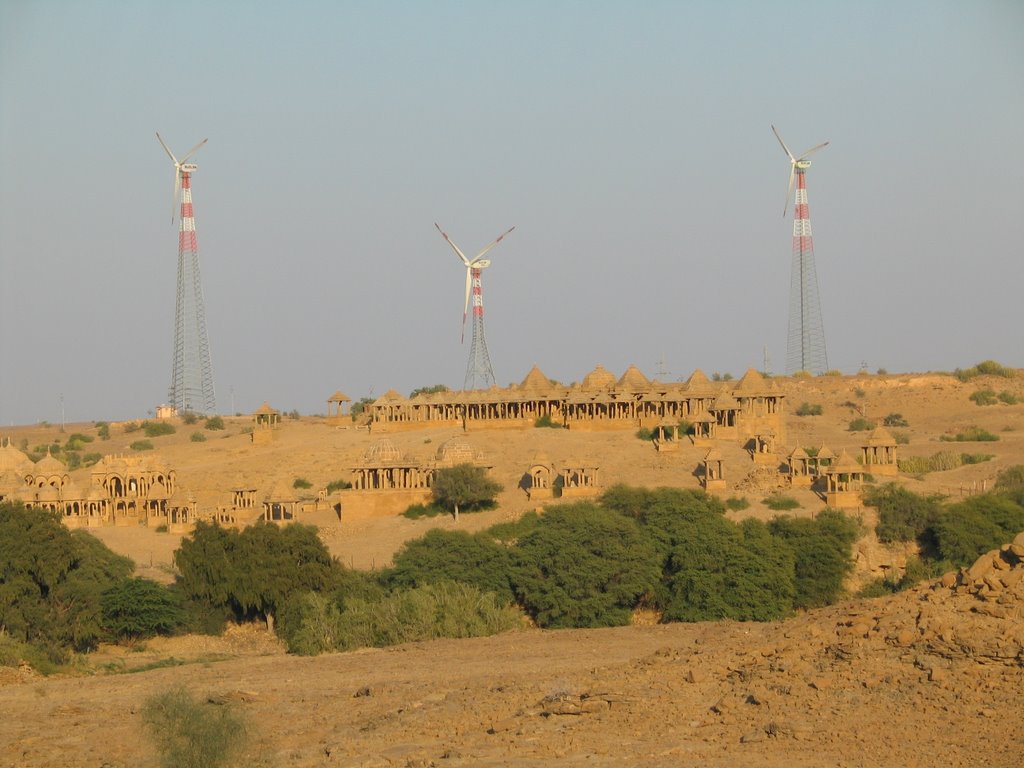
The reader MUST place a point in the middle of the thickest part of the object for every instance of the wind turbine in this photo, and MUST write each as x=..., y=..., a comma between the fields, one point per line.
x=191, y=368
x=180, y=167
x=805, y=350
x=479, y=365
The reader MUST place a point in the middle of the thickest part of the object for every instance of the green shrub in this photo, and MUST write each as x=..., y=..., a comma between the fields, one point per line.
x=444, y=609
x=453, y=556
x=832, y=372
x=901, y=438
x=417, y=511
x=780, y=502
x=975, y=458
x=141, y=445
x=158, y=428
x=103, y=430
x=737, y=503
x=338, y=485
x=131, y=427
x=189, y=417
x=877, y=587
x=193, y=734
x=545, y=421
x=90, y=459
x=301, y=483
x=938, y=462
x=644, y=434
x=882, y=372
x=198, y=437
x=970, y=435
x=806, y=409
x=860, y=425
x=968, y=529
x=729, y=571
x=895, y=420
x=984, y=368
x=583, y=566
x=823, y=552
x=1008, y=397
x=78, y=437
x=1011, y=478
x=984, y=397
x=902, y=514
x=214, y=423
x=137, y=608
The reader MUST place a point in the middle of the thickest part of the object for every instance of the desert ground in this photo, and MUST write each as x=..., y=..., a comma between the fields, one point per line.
x=933, y=676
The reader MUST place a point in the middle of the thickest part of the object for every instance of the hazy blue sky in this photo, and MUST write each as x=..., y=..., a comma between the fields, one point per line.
x=628, y=142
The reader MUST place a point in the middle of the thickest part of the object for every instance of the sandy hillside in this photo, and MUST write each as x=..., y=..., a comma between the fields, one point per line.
x=932, y=677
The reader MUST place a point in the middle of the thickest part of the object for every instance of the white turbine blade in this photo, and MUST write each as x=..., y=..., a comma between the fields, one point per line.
x=194, y=149
x=453, y=245
x=485, y=250
x=166, y=149
x=177, y=188
x=789, y=191
x=465, y=309
x=811, y=151
x=784, y=147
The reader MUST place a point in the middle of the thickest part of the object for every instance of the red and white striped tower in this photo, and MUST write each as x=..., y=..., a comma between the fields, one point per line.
x=191, y=369
x=805, y=350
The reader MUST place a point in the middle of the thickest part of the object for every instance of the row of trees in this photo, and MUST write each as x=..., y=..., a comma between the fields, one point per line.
x=588, y=564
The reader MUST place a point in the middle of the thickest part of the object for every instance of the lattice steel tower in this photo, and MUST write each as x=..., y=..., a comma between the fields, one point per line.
x=192, y=368
x=479, y=374
x=805, y=350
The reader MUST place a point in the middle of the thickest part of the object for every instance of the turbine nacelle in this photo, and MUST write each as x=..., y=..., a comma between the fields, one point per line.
x=188, y=168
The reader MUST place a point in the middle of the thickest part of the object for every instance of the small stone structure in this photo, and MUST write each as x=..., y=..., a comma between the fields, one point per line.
x=265, y=421
x=666, y=438
x=800, y=469
x=844, y=480
x=713, y=478
x=541, y=478
x=879, y=453
x=336, y=409
x=580, y=479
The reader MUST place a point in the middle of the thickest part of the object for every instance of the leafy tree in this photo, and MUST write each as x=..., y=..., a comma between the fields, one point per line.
x=729, y=571
x=464, y=485
x=428, y=390
x=51, y=580
x=823, y=554
x=136, y=608
x=454, y=556
x=583, y=566
x=256, y=571
x=967, y=530
x=902, y=514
